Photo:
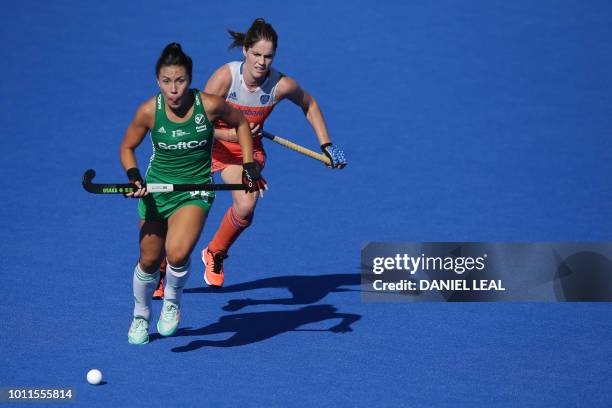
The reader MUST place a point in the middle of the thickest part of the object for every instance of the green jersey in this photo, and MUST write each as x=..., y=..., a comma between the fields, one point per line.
x=181, y=151
x=181, y=155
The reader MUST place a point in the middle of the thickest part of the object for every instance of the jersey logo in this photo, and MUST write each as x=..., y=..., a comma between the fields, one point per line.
x=193, y=144
x=179, y=133
x=232, y=96
x=264, y=99
x=159, y=102
x=199, y=119
x=161, y=130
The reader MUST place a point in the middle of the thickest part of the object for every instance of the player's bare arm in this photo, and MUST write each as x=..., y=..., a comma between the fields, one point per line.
x=219, y=84
x=217, y=108
x=134, y=135
x=290, y=89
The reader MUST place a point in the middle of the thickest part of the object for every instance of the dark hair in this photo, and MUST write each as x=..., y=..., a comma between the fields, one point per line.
x=260, y=30
x=173, y=55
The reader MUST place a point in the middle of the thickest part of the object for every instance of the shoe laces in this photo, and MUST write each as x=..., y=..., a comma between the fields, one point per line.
x=218, y=261
x=138, y=326
x=170, y=311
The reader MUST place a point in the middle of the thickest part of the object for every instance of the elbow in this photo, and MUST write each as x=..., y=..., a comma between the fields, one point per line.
x=310, y=107
x=125, y=151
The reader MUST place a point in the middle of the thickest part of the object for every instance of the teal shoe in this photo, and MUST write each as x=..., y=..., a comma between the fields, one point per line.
x=169, y=319
x=139, y=331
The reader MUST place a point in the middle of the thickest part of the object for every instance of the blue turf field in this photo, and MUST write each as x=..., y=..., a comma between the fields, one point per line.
x=483, y=120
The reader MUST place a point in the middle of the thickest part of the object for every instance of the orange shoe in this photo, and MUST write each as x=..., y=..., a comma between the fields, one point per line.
x=159, y=292
x=213, y=267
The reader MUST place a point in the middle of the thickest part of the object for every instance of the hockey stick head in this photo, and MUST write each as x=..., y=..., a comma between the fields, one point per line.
x=87, y=178
x=97, y=188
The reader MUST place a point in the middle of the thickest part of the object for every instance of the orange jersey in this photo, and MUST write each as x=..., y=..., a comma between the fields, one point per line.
x=255, y=105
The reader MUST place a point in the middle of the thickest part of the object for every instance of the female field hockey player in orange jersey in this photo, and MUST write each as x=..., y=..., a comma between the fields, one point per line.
x=253, y=87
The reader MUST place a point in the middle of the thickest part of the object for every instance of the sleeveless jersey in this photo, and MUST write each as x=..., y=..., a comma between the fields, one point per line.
x=255, y=105
x=181, y=151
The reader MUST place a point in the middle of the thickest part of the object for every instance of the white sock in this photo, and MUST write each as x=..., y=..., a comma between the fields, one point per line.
x=144, y=286
x=176, y=277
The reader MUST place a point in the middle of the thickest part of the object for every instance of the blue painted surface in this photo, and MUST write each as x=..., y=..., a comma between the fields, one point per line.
x=462, y=121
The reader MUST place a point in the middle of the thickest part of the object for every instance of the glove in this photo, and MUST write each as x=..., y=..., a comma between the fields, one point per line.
x=335, y=155
x=251, y=179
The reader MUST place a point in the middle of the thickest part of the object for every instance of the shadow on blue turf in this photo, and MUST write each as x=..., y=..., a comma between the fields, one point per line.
x=305, y=290
x=250, y=328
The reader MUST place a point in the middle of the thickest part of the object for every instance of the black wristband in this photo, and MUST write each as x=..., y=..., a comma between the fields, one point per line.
x=133, y=175
x=249, y=165
x=324, y=145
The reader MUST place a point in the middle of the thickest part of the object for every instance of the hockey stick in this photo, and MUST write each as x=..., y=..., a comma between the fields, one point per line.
x=114, y=188
x=300, y=149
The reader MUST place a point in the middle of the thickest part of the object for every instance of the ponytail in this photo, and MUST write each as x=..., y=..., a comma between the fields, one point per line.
x=238, y=39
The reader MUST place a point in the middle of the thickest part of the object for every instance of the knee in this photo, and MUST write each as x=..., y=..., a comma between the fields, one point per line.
x=245, y=206
x=149, y=263
x=177, y=255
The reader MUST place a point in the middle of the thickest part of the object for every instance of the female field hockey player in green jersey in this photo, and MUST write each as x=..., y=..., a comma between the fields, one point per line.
x=180, y=121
